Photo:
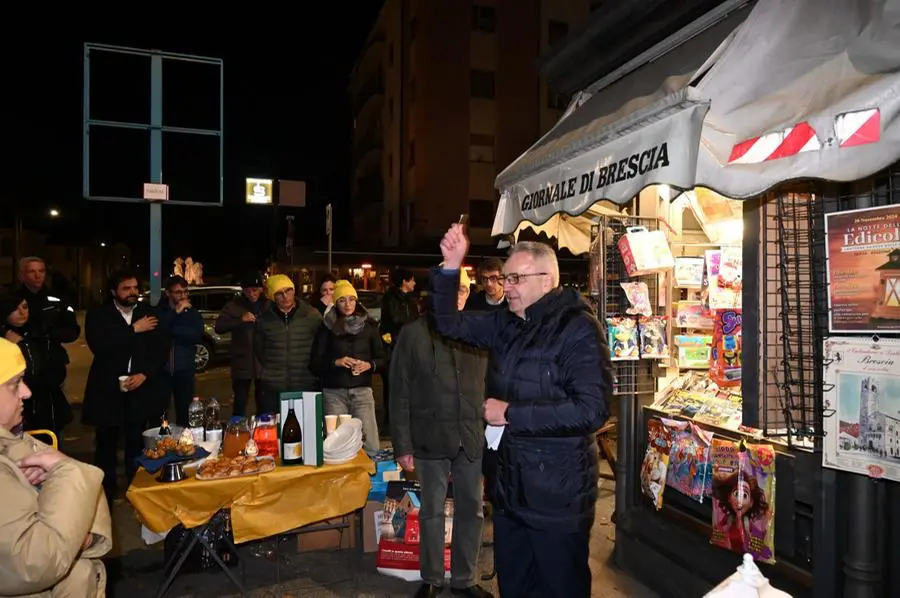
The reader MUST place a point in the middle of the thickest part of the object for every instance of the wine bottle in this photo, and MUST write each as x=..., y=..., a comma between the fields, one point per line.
x=164, y=429
x=291, y=440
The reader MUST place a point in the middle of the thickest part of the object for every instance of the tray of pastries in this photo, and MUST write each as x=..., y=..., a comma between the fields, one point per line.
x=225, y=467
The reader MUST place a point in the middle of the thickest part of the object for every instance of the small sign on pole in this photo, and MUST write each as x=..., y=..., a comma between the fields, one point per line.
x=156, y=192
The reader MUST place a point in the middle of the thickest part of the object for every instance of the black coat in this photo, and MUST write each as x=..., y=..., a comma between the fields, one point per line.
x=553, y=368
x=437, y=392
x=333, y=342
x=245, y=363
x=114, y=343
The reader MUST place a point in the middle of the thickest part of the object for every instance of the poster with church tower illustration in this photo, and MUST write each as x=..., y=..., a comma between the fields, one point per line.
x=862, y=406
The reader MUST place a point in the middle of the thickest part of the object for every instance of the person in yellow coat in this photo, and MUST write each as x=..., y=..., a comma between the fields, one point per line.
x=54, y=520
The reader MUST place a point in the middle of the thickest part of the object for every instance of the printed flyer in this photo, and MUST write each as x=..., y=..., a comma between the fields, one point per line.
x=863, y=433
x=863, y=252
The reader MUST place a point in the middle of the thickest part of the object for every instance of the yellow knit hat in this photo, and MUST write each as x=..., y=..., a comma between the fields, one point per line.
x=343, y=288
x=464, y=280
x=276, y=284
x=12, y=362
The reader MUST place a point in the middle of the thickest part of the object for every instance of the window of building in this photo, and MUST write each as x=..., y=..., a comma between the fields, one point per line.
x=556, y=31
x=484, y=18
x=412, y=153
x=481, y=148
x=481, y=213
x=481, y=84
x=557, y=101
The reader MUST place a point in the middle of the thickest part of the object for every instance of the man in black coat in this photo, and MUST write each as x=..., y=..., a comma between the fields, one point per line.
x=437, y=430
x=124, y=337
x=549, y=383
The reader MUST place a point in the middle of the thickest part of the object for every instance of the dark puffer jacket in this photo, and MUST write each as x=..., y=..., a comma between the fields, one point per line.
x=334, y=341
x=553, y=368
x=283, y=346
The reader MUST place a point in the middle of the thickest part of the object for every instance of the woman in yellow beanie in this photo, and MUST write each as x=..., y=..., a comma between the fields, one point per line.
x=55, y=520
x=347, y=351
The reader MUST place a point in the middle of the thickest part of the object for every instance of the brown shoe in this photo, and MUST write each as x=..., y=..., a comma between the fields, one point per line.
x=426, y=590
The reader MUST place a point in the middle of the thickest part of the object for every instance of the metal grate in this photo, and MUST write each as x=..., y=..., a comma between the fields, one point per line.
x=791, y=351
x=607, y=272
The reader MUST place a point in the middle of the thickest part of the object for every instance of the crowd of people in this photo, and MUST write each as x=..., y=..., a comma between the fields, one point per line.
x=522, y=355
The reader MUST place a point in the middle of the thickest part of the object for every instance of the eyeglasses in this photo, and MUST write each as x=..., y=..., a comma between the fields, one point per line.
x=514, y=278
x=493, y=279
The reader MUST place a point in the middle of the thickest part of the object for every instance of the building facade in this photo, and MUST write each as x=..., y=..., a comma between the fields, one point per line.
x=444, y=95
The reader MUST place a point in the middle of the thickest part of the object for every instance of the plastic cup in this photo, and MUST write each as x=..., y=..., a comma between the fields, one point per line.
x=343, y=419
x=122, y=381
x=330, y=424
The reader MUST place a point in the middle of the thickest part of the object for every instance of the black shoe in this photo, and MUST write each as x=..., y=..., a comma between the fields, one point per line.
x=472, y=592
x=426, y=590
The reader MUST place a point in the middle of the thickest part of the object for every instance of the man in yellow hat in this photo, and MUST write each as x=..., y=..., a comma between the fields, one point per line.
x=54, y=519
x=285, y=333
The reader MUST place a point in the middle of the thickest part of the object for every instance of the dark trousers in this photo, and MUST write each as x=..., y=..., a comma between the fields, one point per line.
x=106, y=453
x=533, y=562
x=468, y=519
x=489, y=470
x=241, y=389
x=181, y=387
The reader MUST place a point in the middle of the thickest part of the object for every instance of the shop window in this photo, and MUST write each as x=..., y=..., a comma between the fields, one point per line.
x=556, y=31
x=484, y=18
x=481, y=84
x=481, y=213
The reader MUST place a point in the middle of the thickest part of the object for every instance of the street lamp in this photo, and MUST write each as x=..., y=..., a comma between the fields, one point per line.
x=54, y=213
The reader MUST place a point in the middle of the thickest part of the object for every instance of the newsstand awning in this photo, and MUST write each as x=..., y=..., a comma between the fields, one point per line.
x=788, y=90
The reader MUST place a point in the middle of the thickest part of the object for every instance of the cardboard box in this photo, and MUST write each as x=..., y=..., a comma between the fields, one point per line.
x=329, y=539
x=371, y=520
x=308, y=408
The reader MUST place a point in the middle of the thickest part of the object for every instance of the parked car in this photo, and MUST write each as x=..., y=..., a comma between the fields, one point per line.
x=209, y=301
x=371, y=300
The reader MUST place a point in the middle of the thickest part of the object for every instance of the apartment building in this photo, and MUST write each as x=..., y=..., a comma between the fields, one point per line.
x=444, y=96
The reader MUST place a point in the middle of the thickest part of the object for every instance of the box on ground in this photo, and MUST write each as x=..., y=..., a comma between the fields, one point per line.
x=329, y=539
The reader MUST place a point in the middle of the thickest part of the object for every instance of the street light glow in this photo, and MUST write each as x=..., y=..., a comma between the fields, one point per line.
x=54, y=213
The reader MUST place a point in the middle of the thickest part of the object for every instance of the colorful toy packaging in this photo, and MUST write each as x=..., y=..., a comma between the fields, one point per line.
x=656, y=462
x=743, y=491
x=654, y=337
x=725, y=356
x=623, y=338
x=690, y=466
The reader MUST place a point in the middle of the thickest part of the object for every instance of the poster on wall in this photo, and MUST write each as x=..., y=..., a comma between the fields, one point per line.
x=863, y=252
x=862, y=382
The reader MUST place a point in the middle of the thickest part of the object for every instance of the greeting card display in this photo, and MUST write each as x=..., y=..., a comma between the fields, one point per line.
x=743, y=491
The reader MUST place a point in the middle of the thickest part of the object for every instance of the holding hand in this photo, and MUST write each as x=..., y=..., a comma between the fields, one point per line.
x=345, y=362
x=360, y=367
x=406, y=462
x=495, y=412
x=248, y=317
x=133, y=382
x=182, y=306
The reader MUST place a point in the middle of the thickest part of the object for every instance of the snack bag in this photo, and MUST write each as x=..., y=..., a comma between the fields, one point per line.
x=690, y=466
x=725, y=356
x=654, y=337
x=623, y=339
x=656, y=462
x=638, y=296
x=743, y=491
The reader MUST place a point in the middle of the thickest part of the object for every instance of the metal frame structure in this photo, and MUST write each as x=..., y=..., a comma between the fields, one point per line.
x=156, y=129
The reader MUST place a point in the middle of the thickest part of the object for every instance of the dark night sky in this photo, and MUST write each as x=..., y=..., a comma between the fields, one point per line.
x=287, y=115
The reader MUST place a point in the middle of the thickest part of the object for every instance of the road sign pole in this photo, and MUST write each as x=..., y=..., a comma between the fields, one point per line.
x=156, y=123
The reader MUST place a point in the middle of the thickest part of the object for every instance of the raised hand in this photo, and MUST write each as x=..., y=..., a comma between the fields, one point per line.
x=454, y=246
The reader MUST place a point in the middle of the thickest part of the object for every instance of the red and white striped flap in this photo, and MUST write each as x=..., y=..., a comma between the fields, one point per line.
x=858, y=128
x=781, y=144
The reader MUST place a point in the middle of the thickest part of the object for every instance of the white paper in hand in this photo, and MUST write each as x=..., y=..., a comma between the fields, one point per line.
x=493, y=434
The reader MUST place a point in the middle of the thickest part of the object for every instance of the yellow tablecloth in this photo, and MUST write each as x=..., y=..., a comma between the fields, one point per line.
x=262, y=505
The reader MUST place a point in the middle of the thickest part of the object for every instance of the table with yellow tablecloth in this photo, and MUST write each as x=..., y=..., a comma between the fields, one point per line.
x=261, y=505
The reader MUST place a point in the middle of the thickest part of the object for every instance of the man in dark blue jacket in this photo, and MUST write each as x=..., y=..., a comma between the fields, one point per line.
x=183, y=325
x=549, y=383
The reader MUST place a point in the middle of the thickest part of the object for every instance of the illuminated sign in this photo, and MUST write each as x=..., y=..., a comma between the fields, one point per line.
x=259, y=191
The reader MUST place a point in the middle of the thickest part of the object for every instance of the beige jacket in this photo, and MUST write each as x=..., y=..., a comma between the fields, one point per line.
x=42, y=531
